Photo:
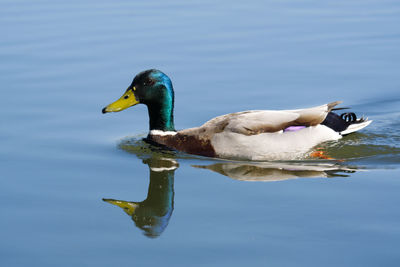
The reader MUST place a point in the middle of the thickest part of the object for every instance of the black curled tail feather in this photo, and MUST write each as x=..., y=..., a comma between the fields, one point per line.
x=351, y=118
x=341, y=122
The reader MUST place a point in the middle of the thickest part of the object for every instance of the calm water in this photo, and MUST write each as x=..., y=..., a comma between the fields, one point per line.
x=61, y=62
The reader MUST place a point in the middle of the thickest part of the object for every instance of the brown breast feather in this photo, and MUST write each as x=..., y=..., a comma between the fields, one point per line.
x=191, y=144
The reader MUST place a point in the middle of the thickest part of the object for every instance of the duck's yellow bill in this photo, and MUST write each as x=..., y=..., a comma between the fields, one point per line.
x=128, y=207
x=127, y=100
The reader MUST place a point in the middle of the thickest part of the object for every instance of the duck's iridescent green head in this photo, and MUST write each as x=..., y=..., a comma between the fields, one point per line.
x=154, y=89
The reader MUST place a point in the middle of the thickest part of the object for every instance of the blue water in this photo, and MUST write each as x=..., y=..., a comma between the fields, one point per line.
x=62, y=62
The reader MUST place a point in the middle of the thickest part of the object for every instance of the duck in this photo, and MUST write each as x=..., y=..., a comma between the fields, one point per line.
x=247, y=135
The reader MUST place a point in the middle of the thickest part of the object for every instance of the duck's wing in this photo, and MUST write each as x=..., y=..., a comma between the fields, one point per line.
x=263, y=121
x=315, y=115
x=260, y=121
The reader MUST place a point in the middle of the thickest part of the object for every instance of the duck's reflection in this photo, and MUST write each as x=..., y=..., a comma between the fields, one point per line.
x=278, y=171
x=152, y=215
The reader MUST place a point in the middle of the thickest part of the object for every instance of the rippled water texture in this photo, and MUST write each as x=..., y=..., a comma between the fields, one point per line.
x=79, y=188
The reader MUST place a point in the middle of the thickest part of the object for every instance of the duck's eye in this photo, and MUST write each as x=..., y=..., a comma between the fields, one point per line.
x=126, y=97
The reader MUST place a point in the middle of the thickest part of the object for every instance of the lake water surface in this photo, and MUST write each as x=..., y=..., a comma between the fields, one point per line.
x=62, y=62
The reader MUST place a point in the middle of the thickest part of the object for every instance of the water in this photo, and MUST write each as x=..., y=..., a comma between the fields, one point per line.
x=60, y=157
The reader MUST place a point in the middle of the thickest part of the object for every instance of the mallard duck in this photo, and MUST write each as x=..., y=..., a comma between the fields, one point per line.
x=247, y=135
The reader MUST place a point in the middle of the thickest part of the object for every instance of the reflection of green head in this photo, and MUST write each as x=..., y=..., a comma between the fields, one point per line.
x=152, y=215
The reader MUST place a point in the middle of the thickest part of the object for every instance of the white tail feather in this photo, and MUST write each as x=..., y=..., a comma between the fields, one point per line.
x=356, y=127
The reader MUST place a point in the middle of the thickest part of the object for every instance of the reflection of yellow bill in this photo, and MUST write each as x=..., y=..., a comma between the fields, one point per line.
x=127, y=100
x=128, y=207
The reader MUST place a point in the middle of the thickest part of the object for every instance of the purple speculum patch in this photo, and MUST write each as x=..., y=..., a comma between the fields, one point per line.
x=293, y=128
